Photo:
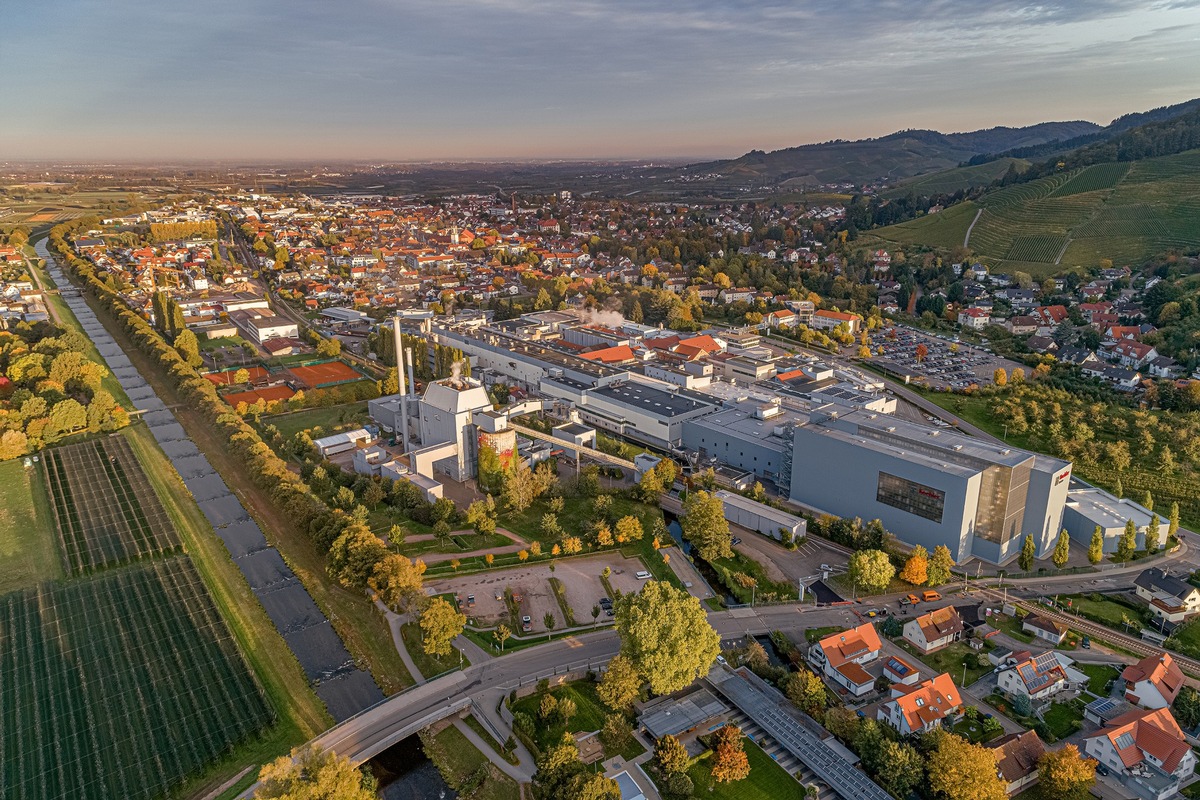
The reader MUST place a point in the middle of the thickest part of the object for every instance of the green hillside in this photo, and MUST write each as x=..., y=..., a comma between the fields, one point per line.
x=950, y=181
x=1127, y=212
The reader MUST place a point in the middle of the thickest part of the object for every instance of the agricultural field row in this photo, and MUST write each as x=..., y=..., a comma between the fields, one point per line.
x=1042, y=248
x=945, y=229
x=105, y=510
x=1021, y=193
x=1093, y=178
x=121, y=685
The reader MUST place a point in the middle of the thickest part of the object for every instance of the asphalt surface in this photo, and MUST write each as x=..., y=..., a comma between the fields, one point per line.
x=326, y=662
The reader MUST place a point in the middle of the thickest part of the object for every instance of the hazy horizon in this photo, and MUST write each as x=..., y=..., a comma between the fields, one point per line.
x=132, y=81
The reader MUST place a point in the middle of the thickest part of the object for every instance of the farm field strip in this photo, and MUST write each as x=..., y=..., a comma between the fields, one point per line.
x=105, y=509
x=1097, y=176
x=121, y=685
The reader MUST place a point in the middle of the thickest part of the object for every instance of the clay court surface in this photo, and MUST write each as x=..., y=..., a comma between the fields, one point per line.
x=266, y=395
x=331, y=372
x=580, y=577
x=227, y=378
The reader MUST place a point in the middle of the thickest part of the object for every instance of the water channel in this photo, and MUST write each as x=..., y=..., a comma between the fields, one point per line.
x=404, y=772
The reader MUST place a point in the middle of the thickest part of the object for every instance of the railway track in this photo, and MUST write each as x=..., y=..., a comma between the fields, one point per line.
x=1189, y=666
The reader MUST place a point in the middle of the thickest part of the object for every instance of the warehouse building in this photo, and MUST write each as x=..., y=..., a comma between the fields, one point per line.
x=1090, y=508
x=751, y=435
x=755, y=516
x=928, y=486
x=637, y=410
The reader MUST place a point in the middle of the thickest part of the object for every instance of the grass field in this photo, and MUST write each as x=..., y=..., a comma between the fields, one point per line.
x=104, y=510
x=766, y=781
x=1126, y=212
x=124, y=685
x=1063, y=719
x=428, y=665
x=590, y=714
x=458, y=760
x=951, y=659
x=27, y=551
x=329, y=420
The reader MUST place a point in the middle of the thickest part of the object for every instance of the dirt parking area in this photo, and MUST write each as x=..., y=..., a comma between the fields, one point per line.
x=580, y=577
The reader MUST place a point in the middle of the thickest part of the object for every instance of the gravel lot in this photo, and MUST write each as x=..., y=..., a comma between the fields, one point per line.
x=580, y=577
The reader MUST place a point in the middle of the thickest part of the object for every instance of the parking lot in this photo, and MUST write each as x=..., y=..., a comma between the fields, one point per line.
x=786, y=565
x=946, y=363
x=581, y=583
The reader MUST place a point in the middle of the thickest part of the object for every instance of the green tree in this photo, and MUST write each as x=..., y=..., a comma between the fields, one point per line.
x=905, y=768
x=621, y=684
x=397, y=580
x=543, y=302
x=1096, y=546
x=807, y=692
x=1062, y=549
x=355, y=555
x=671, y=756
x=1119, y=489
x=501, y=635
x=1187, y=708
x=871, y=571
x=1173, y=522
x=1148, y=500
x=1152, y=531
x=704, y=525
x=1127, y=545
x=189, y=348
x=314, y=774
x=441, y=623
x=1025, y=559
x=329, y=348
x=666, y=636
x=940, y=565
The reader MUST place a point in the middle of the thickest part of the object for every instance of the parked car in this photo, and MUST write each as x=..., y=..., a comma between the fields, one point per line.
x=737, y=540
x=526, y=623
x=643, y=575
x=931, y=596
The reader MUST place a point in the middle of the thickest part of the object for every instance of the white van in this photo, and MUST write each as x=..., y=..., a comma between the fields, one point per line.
x=643, y=576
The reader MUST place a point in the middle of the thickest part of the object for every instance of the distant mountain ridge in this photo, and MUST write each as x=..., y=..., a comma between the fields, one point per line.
x=898, y=155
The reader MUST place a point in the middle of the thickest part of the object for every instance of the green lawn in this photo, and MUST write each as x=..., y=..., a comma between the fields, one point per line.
x=766, y=781
x=950, y=659
x=1011, y=626
x=458, y=760
x=28, y=552
x=1063, y=719
x=590, y=714
x=1187, y=639
x=477, y=726
x=574, y=518
x=816, y=634
x=973, y=731
x=329, y=419
x=428, y=665
x=207, y=345
x=1105, y=611
x=1099, y=676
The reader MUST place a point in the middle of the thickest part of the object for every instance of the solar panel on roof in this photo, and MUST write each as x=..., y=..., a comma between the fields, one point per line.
x=1124, y=740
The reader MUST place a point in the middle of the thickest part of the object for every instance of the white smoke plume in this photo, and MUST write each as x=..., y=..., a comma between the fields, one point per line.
x=607, y=319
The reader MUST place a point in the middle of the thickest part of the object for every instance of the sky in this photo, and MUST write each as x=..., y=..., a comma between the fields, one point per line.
x=97, y=80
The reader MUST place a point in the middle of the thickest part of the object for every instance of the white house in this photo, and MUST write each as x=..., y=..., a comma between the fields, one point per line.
x=921, y=707
x=974, y=318
x=1169, y=597
x=1146, y=751
x=934, y=630
x=1044, y=628
x=1039, y=677
x=1154, y=682
x=840, y=656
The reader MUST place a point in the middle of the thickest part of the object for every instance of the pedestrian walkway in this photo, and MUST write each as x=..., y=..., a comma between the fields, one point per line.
x=394, y=622
x=518, y=772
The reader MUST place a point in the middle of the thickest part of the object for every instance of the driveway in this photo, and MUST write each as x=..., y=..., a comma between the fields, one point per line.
x=789, y=566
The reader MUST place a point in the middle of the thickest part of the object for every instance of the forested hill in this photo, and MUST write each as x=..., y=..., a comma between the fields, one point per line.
x=898, y=155
x=1110, y=131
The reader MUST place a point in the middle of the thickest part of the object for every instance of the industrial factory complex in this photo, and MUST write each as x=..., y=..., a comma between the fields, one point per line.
x=822, y=437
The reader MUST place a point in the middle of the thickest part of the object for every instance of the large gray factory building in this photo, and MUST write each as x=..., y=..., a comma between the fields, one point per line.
x=929, y=486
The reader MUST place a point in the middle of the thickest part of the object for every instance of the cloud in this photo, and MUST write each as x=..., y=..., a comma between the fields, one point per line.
x=529, y=78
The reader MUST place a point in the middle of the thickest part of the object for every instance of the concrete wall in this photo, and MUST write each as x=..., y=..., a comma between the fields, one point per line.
x=751, y=455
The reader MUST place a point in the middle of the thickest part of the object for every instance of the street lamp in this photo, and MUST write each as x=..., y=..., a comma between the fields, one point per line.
x=964, y=680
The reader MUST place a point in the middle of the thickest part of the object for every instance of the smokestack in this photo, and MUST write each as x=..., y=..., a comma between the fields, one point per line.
x=412, y=384
x=399, y=346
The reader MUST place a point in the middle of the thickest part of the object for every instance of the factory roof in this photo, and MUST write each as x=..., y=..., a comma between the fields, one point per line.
x=1101, y=508
x=650, y=399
